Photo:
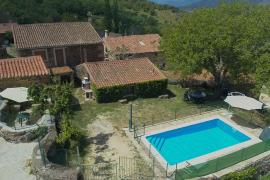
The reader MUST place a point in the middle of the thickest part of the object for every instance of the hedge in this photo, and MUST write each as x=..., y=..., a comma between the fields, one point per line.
x=141, y=90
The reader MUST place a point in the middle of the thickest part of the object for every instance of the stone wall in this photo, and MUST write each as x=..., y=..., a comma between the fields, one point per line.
x=52, y=171
x=23, y=82
x=73, y=55
x=3, y=53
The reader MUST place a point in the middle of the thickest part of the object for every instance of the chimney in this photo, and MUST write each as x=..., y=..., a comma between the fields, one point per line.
x=106, y=33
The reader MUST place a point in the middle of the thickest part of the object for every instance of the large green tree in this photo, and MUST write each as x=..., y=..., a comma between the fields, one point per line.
x=116, y=17
x=108, y=19
x=56, y=98
x=225, y=41
x=263, y=68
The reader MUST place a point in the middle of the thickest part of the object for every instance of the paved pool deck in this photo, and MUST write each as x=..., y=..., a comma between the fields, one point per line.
x=254, y=132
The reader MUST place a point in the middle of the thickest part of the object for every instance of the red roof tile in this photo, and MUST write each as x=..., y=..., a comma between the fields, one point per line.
x=123, y=72
x=54, y=35
x=22, y=67
x=61, y=70
x=133, y=44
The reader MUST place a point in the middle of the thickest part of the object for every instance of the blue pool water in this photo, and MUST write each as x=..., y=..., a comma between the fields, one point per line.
x=192, y=141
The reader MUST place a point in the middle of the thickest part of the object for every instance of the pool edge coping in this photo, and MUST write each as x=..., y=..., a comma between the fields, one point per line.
x=204, y=158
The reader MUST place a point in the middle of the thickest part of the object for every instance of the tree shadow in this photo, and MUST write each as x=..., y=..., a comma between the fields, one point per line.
x=100, y=140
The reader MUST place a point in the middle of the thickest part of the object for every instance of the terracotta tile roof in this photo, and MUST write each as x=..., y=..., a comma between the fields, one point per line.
x=22, y=67
x=6, y=27
x=133, y=44
x=122, y=72
x=54, y=35
x=61, y=70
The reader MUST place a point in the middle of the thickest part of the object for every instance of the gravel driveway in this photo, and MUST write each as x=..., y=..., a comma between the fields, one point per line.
x=13, y=160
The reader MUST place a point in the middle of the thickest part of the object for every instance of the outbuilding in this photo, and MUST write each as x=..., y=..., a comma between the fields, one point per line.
x=59, y=44
x=23, y=71
x=113, y=80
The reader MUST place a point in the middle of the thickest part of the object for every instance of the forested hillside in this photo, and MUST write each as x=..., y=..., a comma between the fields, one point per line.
x=121, y=16
x=193, y=4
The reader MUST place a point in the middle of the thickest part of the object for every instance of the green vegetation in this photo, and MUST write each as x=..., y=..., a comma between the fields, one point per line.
x=228, y=41
x=70, y=135
x=263, y=68
x=147, y=89
x=247, y=174
x=154, y=110
x=57, y=99
x=266, y=177
x=121, y=16
x=41, y=131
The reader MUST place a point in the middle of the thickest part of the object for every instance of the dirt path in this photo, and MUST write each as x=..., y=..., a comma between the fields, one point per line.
x=14, y=159
x=106, y=143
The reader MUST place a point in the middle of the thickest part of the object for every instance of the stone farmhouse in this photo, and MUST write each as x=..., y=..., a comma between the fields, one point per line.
x=134, y=46
x=59, y=44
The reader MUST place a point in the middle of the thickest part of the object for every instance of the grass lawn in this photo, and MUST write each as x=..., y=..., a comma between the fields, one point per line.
x=149, y=111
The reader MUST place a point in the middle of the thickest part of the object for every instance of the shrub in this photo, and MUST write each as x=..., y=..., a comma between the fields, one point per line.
x=41, y=131
x=247, y=174
x=142, y=90
x=70, y=135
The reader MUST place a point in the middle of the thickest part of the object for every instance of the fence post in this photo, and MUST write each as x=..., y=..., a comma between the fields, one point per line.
x=134, y=131
x=119, y=167
x=176, y=170
x=66, y=157
x=78, y=156
x=44, y=158
x=42, y=152
x=153, y=167
x=167, y=170
x=217, y=164
x=175, y=114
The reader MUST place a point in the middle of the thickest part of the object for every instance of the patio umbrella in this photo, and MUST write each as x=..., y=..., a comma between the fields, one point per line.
x=244, y=102
x=18, y=95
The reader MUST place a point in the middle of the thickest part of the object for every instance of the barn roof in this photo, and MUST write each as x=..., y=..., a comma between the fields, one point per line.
x=54, y=35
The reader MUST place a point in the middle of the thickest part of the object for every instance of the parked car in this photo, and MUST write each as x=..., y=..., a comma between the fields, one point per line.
x=196, y=96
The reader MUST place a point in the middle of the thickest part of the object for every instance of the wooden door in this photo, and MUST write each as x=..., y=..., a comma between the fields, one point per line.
x=60, y=57
x=43, y=54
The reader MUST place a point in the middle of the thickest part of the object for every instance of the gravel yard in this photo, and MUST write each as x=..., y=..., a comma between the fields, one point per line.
x=15, y=160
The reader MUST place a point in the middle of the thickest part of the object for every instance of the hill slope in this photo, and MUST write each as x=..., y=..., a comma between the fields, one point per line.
x=191, y=4
x=133, y=16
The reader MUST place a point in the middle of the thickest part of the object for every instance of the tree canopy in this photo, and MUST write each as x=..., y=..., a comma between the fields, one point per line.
x=56, y=98
x=120, y=16
x=226, y=40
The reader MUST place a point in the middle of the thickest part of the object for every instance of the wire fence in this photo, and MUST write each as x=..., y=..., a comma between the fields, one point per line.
x=124, y=168
x=223, y=162
x=139, y=117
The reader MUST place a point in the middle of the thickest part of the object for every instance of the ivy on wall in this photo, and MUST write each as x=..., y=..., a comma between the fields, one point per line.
x=141, y=90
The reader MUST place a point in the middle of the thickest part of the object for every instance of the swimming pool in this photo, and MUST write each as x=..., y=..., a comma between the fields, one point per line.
x=199, y=139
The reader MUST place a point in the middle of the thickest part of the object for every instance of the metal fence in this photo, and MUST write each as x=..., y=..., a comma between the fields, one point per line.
x=223, y=162
x=124, y=168
x=137, y=114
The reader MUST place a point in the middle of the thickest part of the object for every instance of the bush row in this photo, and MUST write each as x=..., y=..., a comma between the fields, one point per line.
x=142, y=90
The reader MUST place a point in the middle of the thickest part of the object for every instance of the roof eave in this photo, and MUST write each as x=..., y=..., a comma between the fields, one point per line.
x=56, y=46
